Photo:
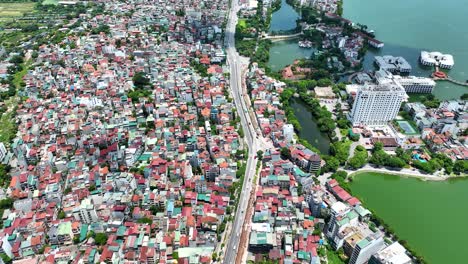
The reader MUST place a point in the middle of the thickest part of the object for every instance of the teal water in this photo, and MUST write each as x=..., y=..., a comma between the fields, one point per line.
x=407, y=27
x=284, y=18
x=283, y=53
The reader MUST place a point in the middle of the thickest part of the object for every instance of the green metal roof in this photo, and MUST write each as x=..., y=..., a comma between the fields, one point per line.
x=83, y=232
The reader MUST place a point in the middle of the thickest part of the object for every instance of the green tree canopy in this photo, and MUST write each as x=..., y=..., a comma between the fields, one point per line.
x=140, y=80
x=100, y=239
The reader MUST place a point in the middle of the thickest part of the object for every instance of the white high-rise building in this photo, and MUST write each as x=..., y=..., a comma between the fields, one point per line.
x=288, y=132
x=365, y=248
x=85, y=212
x=377, y=104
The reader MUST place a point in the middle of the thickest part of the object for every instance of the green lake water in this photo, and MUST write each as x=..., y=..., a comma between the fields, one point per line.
x=283, y=53
x=431, y=216
x=407, y=27
x=310, y=130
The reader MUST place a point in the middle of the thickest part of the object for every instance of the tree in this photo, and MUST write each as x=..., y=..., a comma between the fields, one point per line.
x=145, y=220
x=42, y=249
x=342, y=123
x=444, y=161
x=395, y=162
x=377, y=146
x=324, y=82
x=30, y=28
x=339, y=175
x=76, y=239
x=67, y=190
x=354, y=137
x=359, y=159
x=285, y=153
x=429, y=166
x=92, y=188
x=460, y=167
x=260, y=155
x=100, y=239
x=5, y=258
x=340, y=150
x=140, y=80
x=402, y=154
x=5, y=176
x=240, y=153
x=61, y=214
x=331, y=163
x=156, y=209
x=464, y=96
x=17, y=59
x=180, y=12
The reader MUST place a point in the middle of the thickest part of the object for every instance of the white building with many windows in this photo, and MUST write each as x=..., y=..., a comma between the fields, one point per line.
x=85, y=212
x=412, y=84
x=377, y=104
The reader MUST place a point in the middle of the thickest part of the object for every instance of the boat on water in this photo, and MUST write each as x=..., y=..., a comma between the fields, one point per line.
x=305, y=44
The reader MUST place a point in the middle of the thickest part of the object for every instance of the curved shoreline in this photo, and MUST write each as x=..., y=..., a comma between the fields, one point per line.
x=421, y=176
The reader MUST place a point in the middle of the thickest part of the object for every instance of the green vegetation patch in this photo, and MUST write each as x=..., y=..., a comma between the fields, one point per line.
x=333, y=257
x=8, y=127
x=242, y=23
x=50, y=2
x=9, y=11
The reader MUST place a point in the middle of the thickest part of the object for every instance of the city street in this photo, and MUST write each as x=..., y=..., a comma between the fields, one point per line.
x=251, y=137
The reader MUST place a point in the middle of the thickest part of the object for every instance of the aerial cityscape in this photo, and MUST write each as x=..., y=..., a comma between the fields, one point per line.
x=233, y=131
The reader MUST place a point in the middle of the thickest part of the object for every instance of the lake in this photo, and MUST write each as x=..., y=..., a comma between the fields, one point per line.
x=284, y=18
x=310, y=130
x=284, y=53
x=407, y=27
x=430, y=216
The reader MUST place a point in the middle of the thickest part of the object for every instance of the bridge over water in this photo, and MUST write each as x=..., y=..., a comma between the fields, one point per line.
x=282, y=37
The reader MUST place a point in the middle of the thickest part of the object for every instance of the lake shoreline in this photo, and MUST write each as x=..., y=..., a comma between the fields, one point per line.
x=423, y=177
x=405, y=207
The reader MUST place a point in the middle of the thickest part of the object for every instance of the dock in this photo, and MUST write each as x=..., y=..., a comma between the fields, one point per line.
x=448, y=79
x=437, y=75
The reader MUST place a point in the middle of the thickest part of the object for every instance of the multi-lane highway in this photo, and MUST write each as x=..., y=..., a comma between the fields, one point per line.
x=234, y=61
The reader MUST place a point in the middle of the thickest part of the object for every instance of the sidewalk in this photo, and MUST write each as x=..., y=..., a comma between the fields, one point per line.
x=400, y=172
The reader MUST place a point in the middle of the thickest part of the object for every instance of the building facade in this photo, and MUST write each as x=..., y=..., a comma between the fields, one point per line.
x=365, y=248
x=377, y=104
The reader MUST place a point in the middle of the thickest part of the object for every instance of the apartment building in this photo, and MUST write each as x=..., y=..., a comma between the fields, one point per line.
x=377, y=104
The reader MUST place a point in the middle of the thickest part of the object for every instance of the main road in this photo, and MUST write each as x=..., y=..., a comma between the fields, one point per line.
x=234, y=62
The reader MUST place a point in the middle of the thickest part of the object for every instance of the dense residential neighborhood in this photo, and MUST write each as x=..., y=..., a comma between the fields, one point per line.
x=122, y=139
x=127, y=141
